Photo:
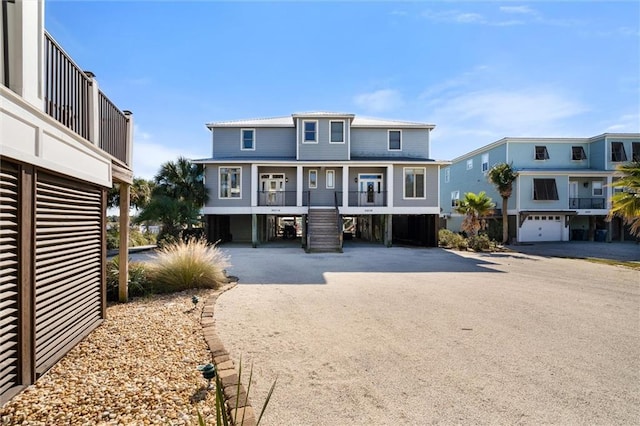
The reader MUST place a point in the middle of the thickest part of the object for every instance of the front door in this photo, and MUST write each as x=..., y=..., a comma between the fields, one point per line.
x=370, y=190
x=272, y=189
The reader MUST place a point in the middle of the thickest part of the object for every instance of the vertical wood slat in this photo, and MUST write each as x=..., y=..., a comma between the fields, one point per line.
x=68, y=291
x=10, y=373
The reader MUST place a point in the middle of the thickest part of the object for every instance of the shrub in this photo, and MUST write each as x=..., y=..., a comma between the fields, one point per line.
x=480, y=243
x=185, y=265
x=113, y=239
x=449, y=239
x=139, y=284
x=136, y=238
x=166, y=239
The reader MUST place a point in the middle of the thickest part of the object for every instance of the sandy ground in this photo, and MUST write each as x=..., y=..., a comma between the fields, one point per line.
x=408, y=336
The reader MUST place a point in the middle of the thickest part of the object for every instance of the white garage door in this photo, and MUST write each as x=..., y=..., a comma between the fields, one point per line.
x=542, y=228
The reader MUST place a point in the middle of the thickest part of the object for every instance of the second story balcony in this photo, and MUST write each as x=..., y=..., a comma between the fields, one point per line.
x=587, y=203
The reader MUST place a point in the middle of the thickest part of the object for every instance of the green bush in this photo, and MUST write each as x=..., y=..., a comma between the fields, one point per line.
x=113, y=239
x=449, y=239
x=166, y=239
x=185, y=265
x=139, y=285
x=480, y=243
x=136, y=238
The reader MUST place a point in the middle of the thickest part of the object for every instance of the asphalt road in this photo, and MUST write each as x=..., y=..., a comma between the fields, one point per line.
x=378, y=336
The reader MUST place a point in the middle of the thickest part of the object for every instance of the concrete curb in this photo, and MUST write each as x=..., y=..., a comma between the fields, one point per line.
x=225, y=367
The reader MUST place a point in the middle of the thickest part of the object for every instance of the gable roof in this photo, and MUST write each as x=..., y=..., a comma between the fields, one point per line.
x=288, y=121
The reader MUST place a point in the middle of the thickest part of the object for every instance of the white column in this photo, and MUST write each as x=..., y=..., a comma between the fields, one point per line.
x=254, y=185
x=299, y=186
x=390, y=185
x=94, y=110
x=26, y=51
x=609, y=192
x=345, y=186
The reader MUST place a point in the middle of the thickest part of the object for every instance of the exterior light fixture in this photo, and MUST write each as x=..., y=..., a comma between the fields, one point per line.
x=355, y=180
x=585, y=184
x=208, y=372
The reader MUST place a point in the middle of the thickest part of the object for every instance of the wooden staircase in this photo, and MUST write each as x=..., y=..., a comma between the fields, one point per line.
x=323, y=233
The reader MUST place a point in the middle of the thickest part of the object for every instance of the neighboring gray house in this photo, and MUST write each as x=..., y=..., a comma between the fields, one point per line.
x=563, y=190
x=326, y=175
x=62, y=146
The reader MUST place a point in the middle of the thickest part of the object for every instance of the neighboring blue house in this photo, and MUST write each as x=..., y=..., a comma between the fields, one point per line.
x=322, y=176
x=563, y=190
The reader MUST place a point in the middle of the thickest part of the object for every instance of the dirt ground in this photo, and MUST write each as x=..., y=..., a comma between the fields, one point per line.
x=378, y=336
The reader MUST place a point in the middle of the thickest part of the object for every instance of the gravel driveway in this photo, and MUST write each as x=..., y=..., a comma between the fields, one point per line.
x=378, y=336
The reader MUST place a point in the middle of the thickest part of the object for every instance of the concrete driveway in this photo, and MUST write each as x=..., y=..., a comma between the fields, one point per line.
x=409, y=336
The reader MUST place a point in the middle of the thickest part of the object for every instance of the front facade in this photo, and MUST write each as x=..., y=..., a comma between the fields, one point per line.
x=329, y=176
x=563, y=189
x=62, y=145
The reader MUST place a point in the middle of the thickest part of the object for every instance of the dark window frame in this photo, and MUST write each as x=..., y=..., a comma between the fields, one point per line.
x=399, y=140
x=331, y=132
x=545, y=190
x=635, y=151
x=618, y=154
x=578, y=153
x=541, y=152
x=307, y=133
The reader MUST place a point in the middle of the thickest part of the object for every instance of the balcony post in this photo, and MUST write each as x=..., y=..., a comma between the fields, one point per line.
x=299, y=186
x=94, y=109
x=129, y=141
x=390, y=185
x=345, y=186
x=123, y=251
x=254, y=185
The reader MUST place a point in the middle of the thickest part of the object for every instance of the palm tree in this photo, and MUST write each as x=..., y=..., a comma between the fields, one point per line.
x=140, y=193
x=475, y=207
x=502, y=176
x=626, y=204
x=177, y=197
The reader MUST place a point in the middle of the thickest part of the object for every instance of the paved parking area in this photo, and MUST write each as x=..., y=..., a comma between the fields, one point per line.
x=378, y=336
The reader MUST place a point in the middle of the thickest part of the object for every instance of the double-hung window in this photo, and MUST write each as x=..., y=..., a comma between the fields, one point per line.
x=577, y=153
x=485, y=162
x=331, y=179
x=596, y=186
x=395, y=140
x=470, y=164
x=545, y=189
x=618, y=153
x=248, y=142
x=541, y=153
x=447, y=175
x=230, y=179
x=455, y=198
x=310, y=129
x=337, y=132
x=414, y=183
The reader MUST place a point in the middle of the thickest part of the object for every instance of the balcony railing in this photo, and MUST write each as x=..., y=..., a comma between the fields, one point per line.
x=69, y=96
x=67, y=89
x=277, y=198
x=367, y=199
x=587, y=203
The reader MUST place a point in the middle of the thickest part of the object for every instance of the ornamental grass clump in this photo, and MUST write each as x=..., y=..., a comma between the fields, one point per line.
x=186, y=265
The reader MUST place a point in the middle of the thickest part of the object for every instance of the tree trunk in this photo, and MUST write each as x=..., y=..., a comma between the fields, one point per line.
x=505, y=221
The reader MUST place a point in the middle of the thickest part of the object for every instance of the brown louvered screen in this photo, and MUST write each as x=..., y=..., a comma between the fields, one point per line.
x=9, y=279
x=67, y=266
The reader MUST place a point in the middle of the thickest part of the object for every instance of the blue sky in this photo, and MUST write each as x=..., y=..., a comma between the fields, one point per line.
x=478, y=70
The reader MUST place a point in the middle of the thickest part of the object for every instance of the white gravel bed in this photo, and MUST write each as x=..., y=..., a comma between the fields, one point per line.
x=137, y=368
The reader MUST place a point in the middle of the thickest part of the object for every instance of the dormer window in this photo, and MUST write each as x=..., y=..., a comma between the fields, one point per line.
x=310, y=131
x=577, y=153
x=617, y=152
x=542, y=153
x=395, y=140
x=337, y=132
x=248, y=142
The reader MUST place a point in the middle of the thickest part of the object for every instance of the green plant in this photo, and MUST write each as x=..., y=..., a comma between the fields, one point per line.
x=223, y=417
x=139, y=285
x=479, y=242
x=503, y=176
x=475, y=207
x=185, y=265
x=449, y=239
x=626, y=203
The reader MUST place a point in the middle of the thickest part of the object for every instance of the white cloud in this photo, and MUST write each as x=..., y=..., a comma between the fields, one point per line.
x=148, y=154
x=379, y=101
x=459, y=17
x=523, y=10
x=628, y=123
x=471, y=120
x=455, y=82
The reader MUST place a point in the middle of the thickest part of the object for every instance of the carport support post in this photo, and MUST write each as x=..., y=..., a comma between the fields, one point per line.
x=123, y=250
x=388, y=228
x=254, y=230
